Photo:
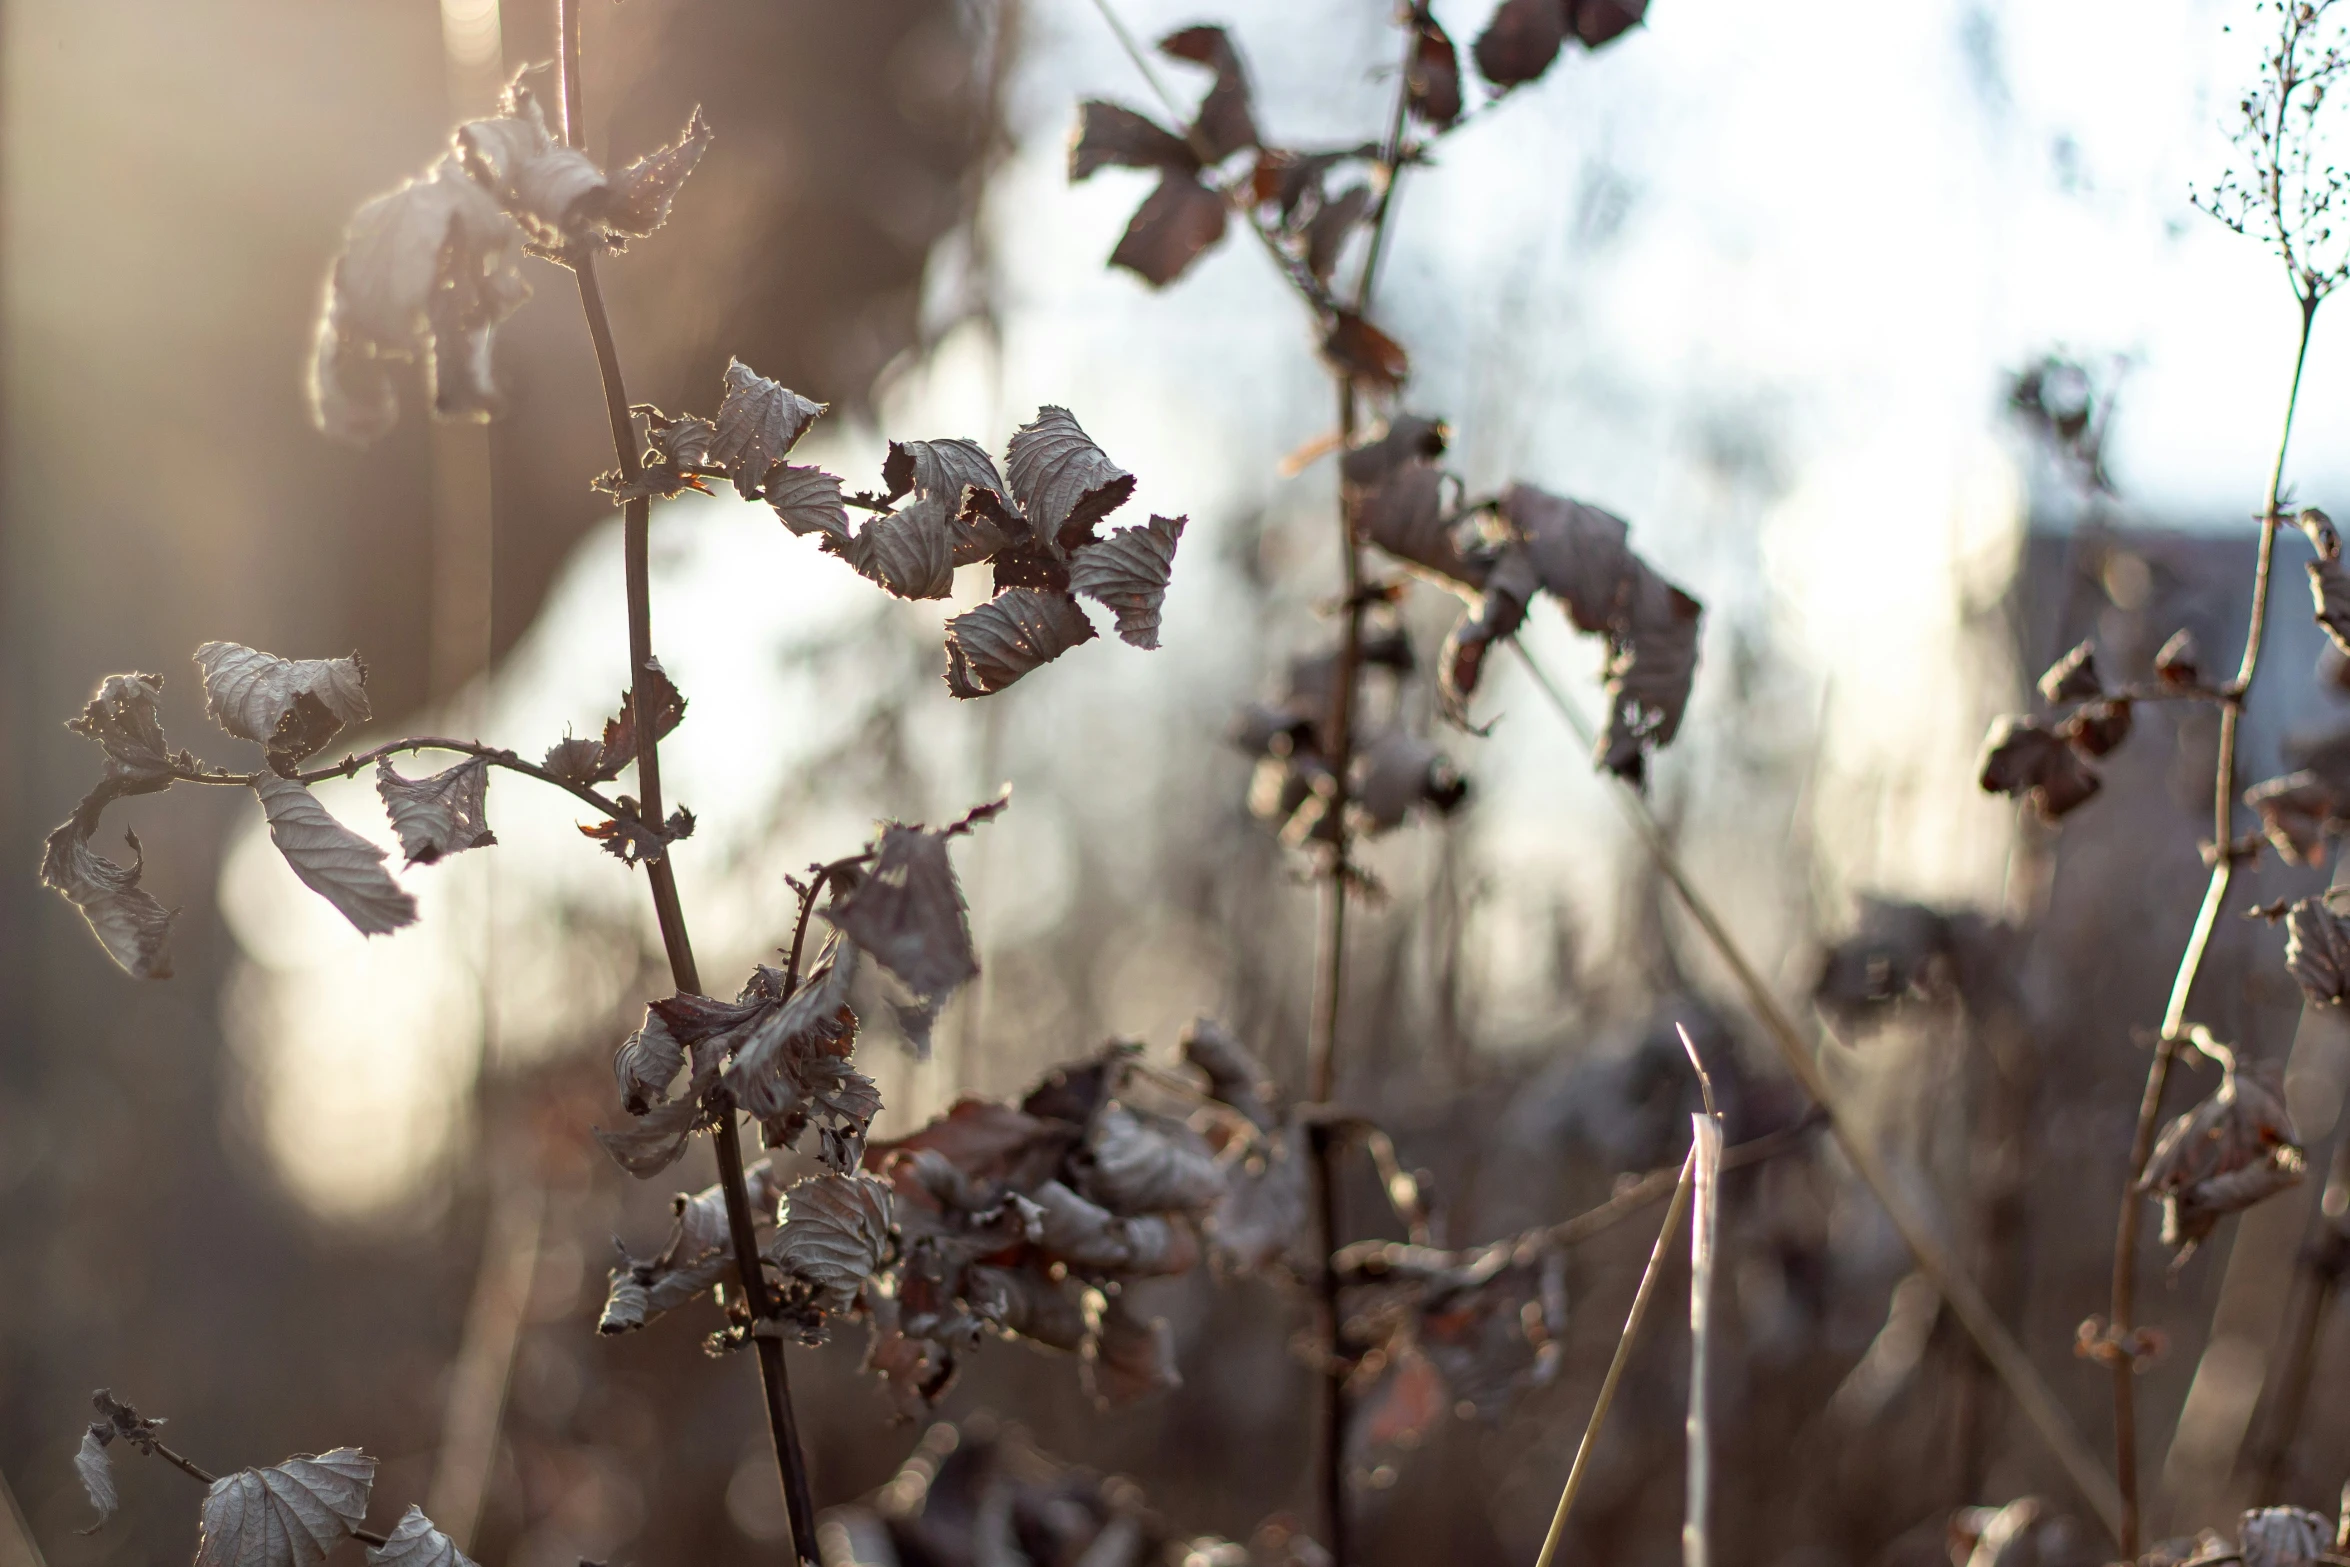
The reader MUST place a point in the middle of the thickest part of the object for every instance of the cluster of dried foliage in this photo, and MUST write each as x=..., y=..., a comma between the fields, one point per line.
x=1033, y=1219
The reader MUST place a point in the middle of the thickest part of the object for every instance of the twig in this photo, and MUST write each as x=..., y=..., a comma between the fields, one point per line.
x=1615, y=1366
x=1705, y=1153
x=783, y=1426
x=2125, y=1247
x=2007, y=1358
x=349, y=767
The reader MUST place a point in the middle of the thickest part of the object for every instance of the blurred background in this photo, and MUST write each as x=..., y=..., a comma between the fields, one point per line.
x=1758, y=279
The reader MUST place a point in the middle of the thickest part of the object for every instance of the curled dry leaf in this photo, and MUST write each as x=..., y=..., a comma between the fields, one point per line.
x=121, y=717
x=906, y=554
x=2221, y=1157
x=1129, y=572
x=441, y=815
x=1262, y=1215
x=1128, y=1357
x=1009, y=635
x=2299, y=812
x=908, y=913
x=759, y=422
x=250, y=693
x=1356, y=349
x=1133, y=1164
x=2284, y=1537
x=1225, y=123
x=128, y=921
x=1027, y=1303
x=415, y=1542
x=96, y=1472
x=938, y=474
x=646, y=1063
x=1432, y=85
x=1176, y=224
x=2317, y=951
x=808, y=500
x=1236, y=1076
x=1399, y=770
x=835, y=1233
x=2073, y=678
x=585, y=762
x=1065, y=484
x=642, y=192
x=2024, y=759
x=288, y=1515
x=2097, y=728
x=427, y=273
x=332, y=860
x=555, y=192
x=2329, y=590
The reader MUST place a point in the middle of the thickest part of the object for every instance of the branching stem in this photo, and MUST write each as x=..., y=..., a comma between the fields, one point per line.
x=782, y=1423
x=349, y=767
x=2119, y=1318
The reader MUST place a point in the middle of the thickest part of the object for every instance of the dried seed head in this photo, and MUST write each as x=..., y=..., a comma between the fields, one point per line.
x=2221, y=1157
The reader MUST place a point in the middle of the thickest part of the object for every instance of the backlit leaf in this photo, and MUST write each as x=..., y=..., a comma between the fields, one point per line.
x=249, y=693
x=907, y=913
x=134, y=928
x=332, y=860
x=1109, y=136
x=642, y=192
x=1065, y=484
x=1225, y=123
x=836, y=1230
x=1009, y=635
x=288, y=1515
x=808, y=500
x=759, y=421
x=1129, y=572
x=96, y=1472
x=441, y=815
x=414, y=1542
x=1176, y=224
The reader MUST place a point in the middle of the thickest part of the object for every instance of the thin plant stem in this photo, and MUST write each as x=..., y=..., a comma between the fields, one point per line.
x=349, y=767
x=2121, y=1313
x=782, y=1422
x=1615, y=1366
x=1705, y=1181
x=2024, y=1383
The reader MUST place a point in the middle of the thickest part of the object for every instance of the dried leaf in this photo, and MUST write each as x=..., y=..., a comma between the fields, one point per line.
x=308, y=725
x=2317, y=951
x=627, y=1303
x=1009, y=635
x=1327, y=231
x=427, y=271
x=2329, y=589
x=1128, y=1357
x=440, y=815
x=1433, y=85
x=1520, y=42
x=643, y=191
x=288, y=1515
x=1224, y=124
x=1176, y=224
x=940, y=474
x=1500, y=609
x=2073, y=678
x=646, y=1063
x=134, y=928
x=791, y=1067
x=2098, y=727
x=1263, y=1213
x=1065, y=484
x=990, y=1143
x=332, y=860
x=1129, y=572
x=554, y=191
x=2221, y=1157
x=97, y=1473
x=2178, y=662
x=1598, y=22
x=1088, y=1238
x=808, y=500
x=908, y=913
x=1356, y=349
x=250, y=693
x=1235, y=1076
x=2284, y=1537
x=759, y=421
x=1108, y=136
x=909, y=553
x=619, y=746
x=2023, y=759
x=836, y=1231
x=1398, y=771
x=1131, y=1166
x=414, y=1542
x=2298, y=812
x=121, y=718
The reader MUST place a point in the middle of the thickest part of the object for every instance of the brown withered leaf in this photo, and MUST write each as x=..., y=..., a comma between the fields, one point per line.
x=444, y=814
x=908, y=914
x=2318, y=528
x=2024, y=759
x=1064, y=483
x=1129, y=572
x=655, y=1139
x=287, y=1515
x=415, y=1542
x=555, y=192
x=646, y=1063
x=1433, y=83
x=910, y=554
x=1225, y=123
x=1236, y=1076
x=2329, y=590
x=989, y=1142
x=1266, y=1203
x=1028, y=1303
x=1128, y=1357
x=1399, y=770
x=1131, y=1164
x=939, y=474
x=2096, y=728
x=574, y=759
x=2179, y=661
x=1176, y=224
x=808, y=500
x=1521, y=41
x=307, y=726
x=1330, y=226
x=1009, y=635
x=249, y=693
x=1597, y=22
x=1509, y=585
x=642, y=192
x=1108, y=136
x=1354, y=348
x=2298, y=812
x=129, y=923
x=2285, y=1537
x=2228, y=1153
x=332, y=860
x=759, y=422
x=2317, y=951
x=835, y=1233
x=121, y=717
x=427, y=272
x=2073, y=678
x=619, y=746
